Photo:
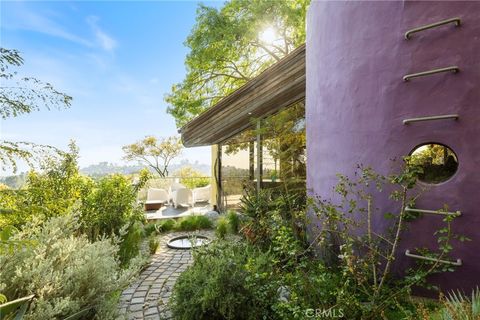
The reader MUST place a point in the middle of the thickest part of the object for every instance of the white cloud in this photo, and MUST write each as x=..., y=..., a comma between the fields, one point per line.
x=103, y=39
x=22, y=18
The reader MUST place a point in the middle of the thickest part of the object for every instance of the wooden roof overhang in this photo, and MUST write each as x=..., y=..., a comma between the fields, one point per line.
x=279, y=86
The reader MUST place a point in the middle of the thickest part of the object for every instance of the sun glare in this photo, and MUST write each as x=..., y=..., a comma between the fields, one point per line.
x=268, y=35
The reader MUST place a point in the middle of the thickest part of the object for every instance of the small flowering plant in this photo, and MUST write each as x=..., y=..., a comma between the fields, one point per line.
x=364, y=256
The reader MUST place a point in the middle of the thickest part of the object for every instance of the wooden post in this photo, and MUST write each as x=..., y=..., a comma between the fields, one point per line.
x=215, y=196
x=251, y=160
x=259, y=157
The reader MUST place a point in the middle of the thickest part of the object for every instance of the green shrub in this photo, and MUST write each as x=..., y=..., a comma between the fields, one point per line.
x=230, y=223
x=192, y=178
x=192, y=223
x=234, y=280
x=233, y=221
x=365, y=258
x=151, y=228
x=64, y=270
x=153, y=244
x=277, y=276
x=167, y=225
x=108, y=207
x=222, y=228
x=224, y=282
x=131, y=238
x=258, y=208
x=159, y=227
x=356, y=270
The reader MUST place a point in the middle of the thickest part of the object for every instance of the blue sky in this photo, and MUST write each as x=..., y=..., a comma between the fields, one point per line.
x=117, y=60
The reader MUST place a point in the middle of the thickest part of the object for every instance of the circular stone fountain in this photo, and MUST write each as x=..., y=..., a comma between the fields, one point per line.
x=187, y=242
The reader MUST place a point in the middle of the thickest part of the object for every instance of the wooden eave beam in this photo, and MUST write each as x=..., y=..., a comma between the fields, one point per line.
x=278, y=87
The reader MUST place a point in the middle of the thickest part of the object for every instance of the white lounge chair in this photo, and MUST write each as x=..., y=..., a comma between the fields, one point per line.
x=156, y=198
x=202, y=194
x=174, y=187
x=182, y=196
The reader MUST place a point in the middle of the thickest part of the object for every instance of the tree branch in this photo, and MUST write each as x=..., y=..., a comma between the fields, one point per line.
x=271, y=53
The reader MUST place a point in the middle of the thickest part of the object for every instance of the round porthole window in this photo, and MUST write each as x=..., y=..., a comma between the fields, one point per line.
x=438, y=161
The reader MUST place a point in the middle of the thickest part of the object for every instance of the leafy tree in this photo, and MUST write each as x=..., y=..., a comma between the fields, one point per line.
x=22, y=95
x=47, y=193
x=229, y=46
x=155, y=153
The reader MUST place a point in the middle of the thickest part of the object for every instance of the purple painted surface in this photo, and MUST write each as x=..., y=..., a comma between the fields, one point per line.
x=356, y=101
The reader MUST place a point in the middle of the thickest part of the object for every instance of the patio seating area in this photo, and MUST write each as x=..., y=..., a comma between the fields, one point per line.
x=177, y=202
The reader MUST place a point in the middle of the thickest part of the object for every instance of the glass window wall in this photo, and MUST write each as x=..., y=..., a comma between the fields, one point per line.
x=268, y=156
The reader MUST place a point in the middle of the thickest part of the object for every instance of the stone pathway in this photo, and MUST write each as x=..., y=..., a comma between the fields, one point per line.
x=147, y=298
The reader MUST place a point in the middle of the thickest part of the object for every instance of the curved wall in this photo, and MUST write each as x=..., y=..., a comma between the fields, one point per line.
x=356, y=101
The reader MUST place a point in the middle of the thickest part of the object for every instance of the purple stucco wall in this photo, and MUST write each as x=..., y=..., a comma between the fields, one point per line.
x=356, y=101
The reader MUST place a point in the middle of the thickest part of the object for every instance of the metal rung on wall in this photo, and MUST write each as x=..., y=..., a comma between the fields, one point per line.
x=445, y=213
x=453, y=69
x=457, y=22
x=416, y=256
x=431, y=118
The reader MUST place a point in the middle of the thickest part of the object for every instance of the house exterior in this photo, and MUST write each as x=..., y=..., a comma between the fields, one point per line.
x=372, y=93
x=246, y=126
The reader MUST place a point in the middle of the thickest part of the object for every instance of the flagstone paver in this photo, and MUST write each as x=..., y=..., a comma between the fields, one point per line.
x=147, y=298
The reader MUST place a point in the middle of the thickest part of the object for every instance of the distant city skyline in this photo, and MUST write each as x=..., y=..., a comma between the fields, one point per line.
x=116, y=59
